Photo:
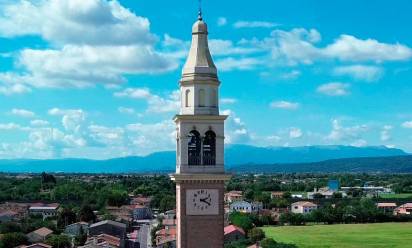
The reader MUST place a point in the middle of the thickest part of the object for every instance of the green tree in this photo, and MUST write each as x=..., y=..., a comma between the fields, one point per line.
x=13, y=239
x=81, y=238
x=59, y=241
x=241, y=220
x=86, y=214
x=256, y=234
x=66, y=217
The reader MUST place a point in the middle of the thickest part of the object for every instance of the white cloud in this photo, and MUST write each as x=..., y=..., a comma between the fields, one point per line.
x=407, y=124
x=360, y=72
x=230, y=63
x=235, y=129
x=75, y=22
x=125, y=110
x=156, y=104
x=340, y=133
x=294, y=74
x=83, y=53
x=295, y=133
x=228, y=100
x=350, y=48
x=284, y=105
x=12, y=127
x=72, y=119
x=334, y=89
x=221, y=21
x=254, y=24
x=11, y=84
x=39, y=123
x=22, y=113
x=299, y=46
x=359, y=143
x=148, y=138
x=385, y=133
x=84, y=66
x=107, y=135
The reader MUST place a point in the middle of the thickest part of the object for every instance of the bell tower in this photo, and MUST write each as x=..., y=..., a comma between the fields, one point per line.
x=200, y=173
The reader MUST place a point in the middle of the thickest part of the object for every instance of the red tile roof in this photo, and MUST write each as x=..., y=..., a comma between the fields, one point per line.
x=233, y=228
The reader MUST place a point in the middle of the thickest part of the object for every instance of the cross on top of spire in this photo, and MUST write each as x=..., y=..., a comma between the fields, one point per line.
x=199, y=17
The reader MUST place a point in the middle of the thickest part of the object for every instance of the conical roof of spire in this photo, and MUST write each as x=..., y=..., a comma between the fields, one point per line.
x=199, y=62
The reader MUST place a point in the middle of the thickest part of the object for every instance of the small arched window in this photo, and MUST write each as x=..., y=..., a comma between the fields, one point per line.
x=202, y=98
x=187, y=98
x=209, y=148
x=193, y=148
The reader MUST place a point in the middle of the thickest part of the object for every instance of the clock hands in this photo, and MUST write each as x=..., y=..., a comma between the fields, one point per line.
x=205, y=200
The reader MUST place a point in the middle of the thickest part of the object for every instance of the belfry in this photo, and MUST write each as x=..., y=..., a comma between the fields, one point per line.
x=200, y=173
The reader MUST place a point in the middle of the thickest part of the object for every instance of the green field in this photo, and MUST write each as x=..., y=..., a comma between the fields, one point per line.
x=383, y=235
x=396, y=196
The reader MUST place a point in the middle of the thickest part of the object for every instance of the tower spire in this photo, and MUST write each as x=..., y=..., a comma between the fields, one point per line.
x=199, y=16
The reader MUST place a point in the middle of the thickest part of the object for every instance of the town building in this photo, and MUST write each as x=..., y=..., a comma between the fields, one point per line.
x=233, y=233
x=276, y=194
x=233, y=196
x=22, y=209
x=246, y=207
x=122, y=214
x=103, y=241
x=142, y=212
x=303, y=207
x=109, y=227
x=387, y=207
x=141, y=200
x=7, y=215
x=37, y=245
x=39, y=235
x=76, y=228
x=405, y=209
x=45, y=210
x=200, y=173
x=166, y=237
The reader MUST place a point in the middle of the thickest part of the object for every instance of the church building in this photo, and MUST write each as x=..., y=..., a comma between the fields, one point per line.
x=200, y=173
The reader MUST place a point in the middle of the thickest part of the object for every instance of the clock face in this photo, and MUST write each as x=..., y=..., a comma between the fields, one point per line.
x=202, y=202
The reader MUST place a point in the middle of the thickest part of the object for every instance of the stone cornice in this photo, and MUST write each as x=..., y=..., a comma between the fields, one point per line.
x=178, y=178
x=200, y=117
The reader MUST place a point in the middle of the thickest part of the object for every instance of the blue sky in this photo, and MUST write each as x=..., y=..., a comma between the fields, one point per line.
x=98, y=79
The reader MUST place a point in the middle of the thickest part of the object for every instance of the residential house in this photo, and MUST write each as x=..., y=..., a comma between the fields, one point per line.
x=166, y=237
x=233, y=233
x=387, y=207
x=277, y=212
x=109, y=227
x=37, y=245
x=122, y=214
x=39, y=235
x=76, y=228
x=276, y=194
x=246, y=207
x=141, y=212
x=303, y=207
x=255, y=246
x=45, y=210
x=103, y=241
x=233, y=196
x=141, y=200
x=7, y=215
x=405, y=209
x=22, y=209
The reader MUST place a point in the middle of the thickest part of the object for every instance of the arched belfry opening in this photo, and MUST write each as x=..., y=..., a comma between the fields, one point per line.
x=194, y=148
x=209, y=148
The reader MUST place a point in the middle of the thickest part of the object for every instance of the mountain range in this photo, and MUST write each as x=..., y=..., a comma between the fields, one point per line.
x=238, y=158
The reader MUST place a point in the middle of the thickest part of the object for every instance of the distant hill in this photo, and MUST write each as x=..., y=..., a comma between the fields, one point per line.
x=235, y=155
x=394, y=164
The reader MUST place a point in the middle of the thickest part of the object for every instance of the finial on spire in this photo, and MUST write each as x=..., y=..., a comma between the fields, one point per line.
x=199, y=17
